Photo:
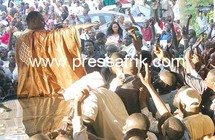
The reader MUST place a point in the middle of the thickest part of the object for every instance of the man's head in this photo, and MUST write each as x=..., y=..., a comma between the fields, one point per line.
x=211, y=61
x=192, y=33
x=118, y=4
x=101, y=38
x=85, y=12
x=89, y=47
x=127, y=39
x=11, y=57
x=167, y=18
x=77, y=3
x=111, y=49
x=3, y=53
x=135, y=134
x=176, y=98
x=165, y=82
x=129, y=67
x=167, y=77
x=209, y=44
x=132, y=2
x=1, y=63
x=146, y=56
x=173, y=129
x=19, y=25
x=145, y=23
x=35, y=21
x=117, y=61
x=121, y=19
x=189, y=101
x=210, y=79
x=91, y=33
x=136, y=121
x=167, y=27
x=192, y=41
x=39, y=137
x=127, y=25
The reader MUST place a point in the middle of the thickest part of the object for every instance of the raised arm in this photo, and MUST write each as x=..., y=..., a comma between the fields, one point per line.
x=174, y=38
x=131, y=17
x=136, y=40
x=11, y=31
x=210, y=32
x=85, y=26
x=153, y=30
x=188, y=22
x=155, y=11
x=185, y=37
x=156, y=98
x=79, y=130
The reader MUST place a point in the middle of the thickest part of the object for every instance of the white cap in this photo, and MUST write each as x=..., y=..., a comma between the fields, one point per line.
x=190, y=96
x=93, y=81
x=4, y=22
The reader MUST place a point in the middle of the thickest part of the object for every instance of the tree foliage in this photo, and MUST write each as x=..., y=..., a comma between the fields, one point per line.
x=192, y=5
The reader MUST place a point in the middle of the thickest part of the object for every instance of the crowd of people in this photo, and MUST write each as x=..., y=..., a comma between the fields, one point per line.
x=164, y=87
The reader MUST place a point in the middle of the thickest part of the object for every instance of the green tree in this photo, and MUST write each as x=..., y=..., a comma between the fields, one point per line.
x=190, y=7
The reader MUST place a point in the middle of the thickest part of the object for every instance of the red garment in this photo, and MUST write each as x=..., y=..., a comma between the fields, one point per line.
x=161, y=25
x=9, y=18
x=123, y=1
x=5, y=38
x=147, y=33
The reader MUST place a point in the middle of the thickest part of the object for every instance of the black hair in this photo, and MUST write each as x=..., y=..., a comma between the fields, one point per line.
x=83, y=45
x=31, y=16
x=89, y=41
x=141, y=134
x=162, y=119
x=19, y=25
x=174, y=129
x=100, y=35
x=147, y=56
x=65, y=13
x=110, y=30
x=193, y=32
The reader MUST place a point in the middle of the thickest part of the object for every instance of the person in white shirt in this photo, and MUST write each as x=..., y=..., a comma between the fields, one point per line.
x=128, y=46
x=202, y=21
x=92, y=5
x=10, y=67
x=102, y=108
x=135, y=11
x=78, y=9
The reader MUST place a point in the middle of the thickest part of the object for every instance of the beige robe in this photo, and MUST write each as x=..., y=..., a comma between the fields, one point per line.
x=199, y=125
x=61, y=48
x=108, y=111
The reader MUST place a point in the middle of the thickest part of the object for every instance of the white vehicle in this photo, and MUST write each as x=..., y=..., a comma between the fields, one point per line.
x=143, y=9
x=101, y=16
x=113, y=7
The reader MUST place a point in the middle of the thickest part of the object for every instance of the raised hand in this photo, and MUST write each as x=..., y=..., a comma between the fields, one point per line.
x=188, y=55
x=131, y=31
x=11, y=29
x=158, y=51
x=189, y=17
x=151, y=21
x=129, y=11
x=155, y=6
x=147, y=79
x=184, y=32
x=198, y=41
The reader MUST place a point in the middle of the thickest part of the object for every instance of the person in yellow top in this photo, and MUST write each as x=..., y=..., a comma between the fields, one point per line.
x=45, y=59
